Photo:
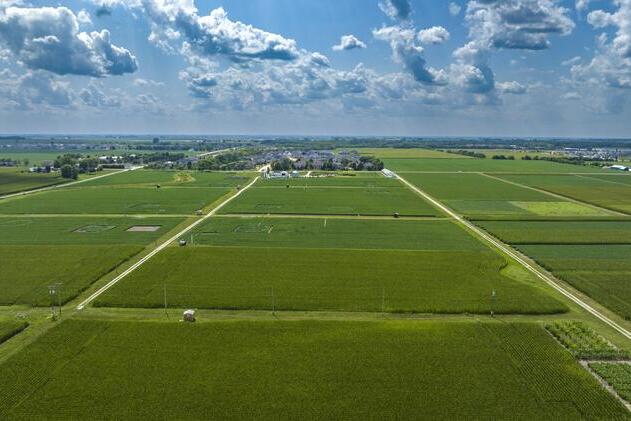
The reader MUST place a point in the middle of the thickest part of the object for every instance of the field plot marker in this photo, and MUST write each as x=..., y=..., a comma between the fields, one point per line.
x=517, y=257
x=161, y=247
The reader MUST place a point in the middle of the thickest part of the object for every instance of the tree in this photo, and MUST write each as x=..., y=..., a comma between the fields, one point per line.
x=156, y=140
x=26, y=162
x=70, y=172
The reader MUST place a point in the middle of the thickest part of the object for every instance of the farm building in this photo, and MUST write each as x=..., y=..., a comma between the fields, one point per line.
x=619, y=168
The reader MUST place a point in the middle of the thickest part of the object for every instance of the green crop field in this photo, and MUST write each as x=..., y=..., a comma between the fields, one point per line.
x=151, y=178
x=484, y=165
x=614, y=178
x=10, y=328
x=383, y=153
x=29, y=270
x=13, y=180
x=306, y=370
x=597, y=191
x=600, y=271
x=350, y=280
x=476, y=195
x=81, y=230
x=618, y=375
x=330, y=200
x=115, y=200
x=335, y=233
x=560, y=232
x=38, y=252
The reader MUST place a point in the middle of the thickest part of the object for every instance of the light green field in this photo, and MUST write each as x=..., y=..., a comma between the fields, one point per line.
x=306, y=370
x=597, y=191
x=484, y=165
x=561, y=232
x=600, y=271
x=115, y=200
x=328, y=279
x=561, y=209
x=334, y=233
x=330, y=200
x=13, y=180
x=383, y=153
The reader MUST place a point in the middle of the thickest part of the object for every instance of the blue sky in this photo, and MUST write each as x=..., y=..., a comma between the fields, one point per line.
x=347, y=67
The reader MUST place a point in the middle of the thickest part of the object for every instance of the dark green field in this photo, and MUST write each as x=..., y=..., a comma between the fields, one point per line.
x=329, y=279
x=82, y=230
x=324, y=232
x=330, y=200
x=300, y=370
x=10, y=328
x=38, y=252
x=476, y=195
x=13, y=180
x=560, y=232
x=115, y=200
x=597, y=191
x=600, y=271
x=149, y=178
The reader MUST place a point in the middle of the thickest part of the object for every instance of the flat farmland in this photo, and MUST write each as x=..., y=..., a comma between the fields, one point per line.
x=38, y=252
x=10, y=328
x=151, y=178
x=597, y=191
x=14, y=180
x=364, y=180
x=115, y=200
x=86, y=230
x=301, y=369
x=560, y=232
x=484, y=165
x=600, y=271
x=614, y=178
x=330, y=200
x=384, y=153
x=476, y=195
x=329, y=279
x=260, y=231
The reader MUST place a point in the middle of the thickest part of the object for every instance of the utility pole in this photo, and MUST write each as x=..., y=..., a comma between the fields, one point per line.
x=493, y=299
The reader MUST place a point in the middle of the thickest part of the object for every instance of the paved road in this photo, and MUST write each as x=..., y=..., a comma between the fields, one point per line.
x=554, y=283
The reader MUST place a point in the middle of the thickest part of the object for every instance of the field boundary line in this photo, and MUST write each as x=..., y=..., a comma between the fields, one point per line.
x=556, y=195
x=62, y=185
x=606, y=181
x=162, y=246
x=548, y=279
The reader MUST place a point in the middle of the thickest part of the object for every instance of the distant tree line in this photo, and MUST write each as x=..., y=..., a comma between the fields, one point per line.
x=467, y=153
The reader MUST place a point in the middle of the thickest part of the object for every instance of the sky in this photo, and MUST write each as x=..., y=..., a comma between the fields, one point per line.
x=326, y=67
